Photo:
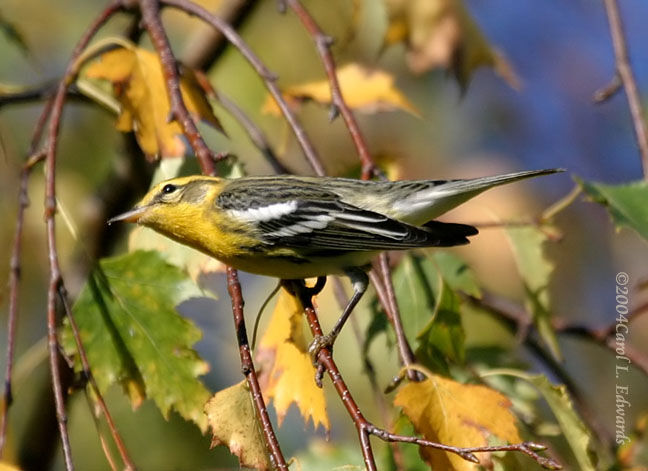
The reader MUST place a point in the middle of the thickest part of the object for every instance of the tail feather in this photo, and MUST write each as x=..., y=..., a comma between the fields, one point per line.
x=441, y=197
x=448, y=234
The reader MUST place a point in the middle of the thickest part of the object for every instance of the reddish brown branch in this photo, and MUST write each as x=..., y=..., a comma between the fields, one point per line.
x=268, y=77
x=50, y=212
x=365, y=428
x=626, y=77
x=14, y=282
x=247, y=365
x=383, y=273
x=150, y=10
x=85, y=364
x=323, y=43
x=255, y=133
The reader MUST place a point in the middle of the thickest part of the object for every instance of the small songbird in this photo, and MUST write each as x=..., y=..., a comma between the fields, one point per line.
x=294, y=227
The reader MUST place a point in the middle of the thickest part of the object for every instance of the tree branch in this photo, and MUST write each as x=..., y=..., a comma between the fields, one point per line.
x=268, y=77
x=626, y=77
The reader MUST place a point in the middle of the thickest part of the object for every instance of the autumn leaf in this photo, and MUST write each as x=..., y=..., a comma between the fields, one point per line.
x=233, y=420
x=536, y=270
x=364, y=89
x=462, y=415
x=441, y=33
x=287, y=372
x=134, y=336
x=139, y=85
x=4, y=466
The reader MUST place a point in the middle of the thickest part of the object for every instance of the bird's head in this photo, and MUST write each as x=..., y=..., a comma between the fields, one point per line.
x=173, y=206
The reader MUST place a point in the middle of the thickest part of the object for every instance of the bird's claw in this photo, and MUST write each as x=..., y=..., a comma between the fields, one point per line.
x=320, y=342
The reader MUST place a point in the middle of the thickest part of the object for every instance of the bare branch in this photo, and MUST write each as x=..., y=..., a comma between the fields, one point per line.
x=50, y=211
x=247, y=365
x=268, y=77
x=626, y=76
x=323, y=43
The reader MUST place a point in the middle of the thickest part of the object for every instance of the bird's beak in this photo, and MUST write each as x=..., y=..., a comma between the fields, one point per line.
x=130, y=216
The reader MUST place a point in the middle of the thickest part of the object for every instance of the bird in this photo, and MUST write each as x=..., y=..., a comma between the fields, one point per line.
x=297, y=227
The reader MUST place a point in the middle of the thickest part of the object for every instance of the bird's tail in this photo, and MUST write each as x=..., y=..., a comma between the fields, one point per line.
x=427, y=204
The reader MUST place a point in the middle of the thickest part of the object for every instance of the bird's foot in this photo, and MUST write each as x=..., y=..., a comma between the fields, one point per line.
x=316, y=346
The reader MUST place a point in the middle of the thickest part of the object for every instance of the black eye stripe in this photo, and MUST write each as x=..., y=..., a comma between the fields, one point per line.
x=169, y=188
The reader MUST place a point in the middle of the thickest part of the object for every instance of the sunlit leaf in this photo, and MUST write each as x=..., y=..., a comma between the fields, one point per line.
x=139, y=85
x=463, y=415
x=287, y=372
x=536, y=270
x=233, y=421
x=364, y=89
x=441, y=33
x=133, y=335
x=626, y=203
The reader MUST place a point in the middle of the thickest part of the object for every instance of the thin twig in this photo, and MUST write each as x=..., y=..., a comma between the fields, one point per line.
x=404, y=348
x=253, y=131
x=14, y=283
x=150, y=10
x=206, y=47
x=627, y=78
x=369, y=369
x=323, y=43
x=50, y=211
x=603, y=94
x=85, y=364
x=15, y=266
x=247, y=365
x=268, y=77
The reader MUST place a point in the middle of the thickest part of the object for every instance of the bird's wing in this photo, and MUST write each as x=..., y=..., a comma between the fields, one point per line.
x=319, y=220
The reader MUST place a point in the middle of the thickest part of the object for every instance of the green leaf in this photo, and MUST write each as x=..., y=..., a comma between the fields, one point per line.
x=426, y=293
x=457, y=273
x=535, y=269
x=574, y=430
x=444, y=333
x=133, y=335
x=625, y=203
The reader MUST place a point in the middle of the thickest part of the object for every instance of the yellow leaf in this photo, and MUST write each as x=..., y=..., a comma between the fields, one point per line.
x=140, y=88
x=288, y=373
x=233, y=420
x=441, y=33
x=364, y=89
x=4, y=466
x=456, y=414
x=192, y=261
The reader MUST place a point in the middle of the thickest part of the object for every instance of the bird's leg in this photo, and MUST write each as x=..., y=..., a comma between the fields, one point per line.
x=360, y=281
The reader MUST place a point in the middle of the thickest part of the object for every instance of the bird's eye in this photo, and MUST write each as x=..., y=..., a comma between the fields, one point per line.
x=169, y=188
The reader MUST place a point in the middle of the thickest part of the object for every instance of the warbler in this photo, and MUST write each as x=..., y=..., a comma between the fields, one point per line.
x=294, y=227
